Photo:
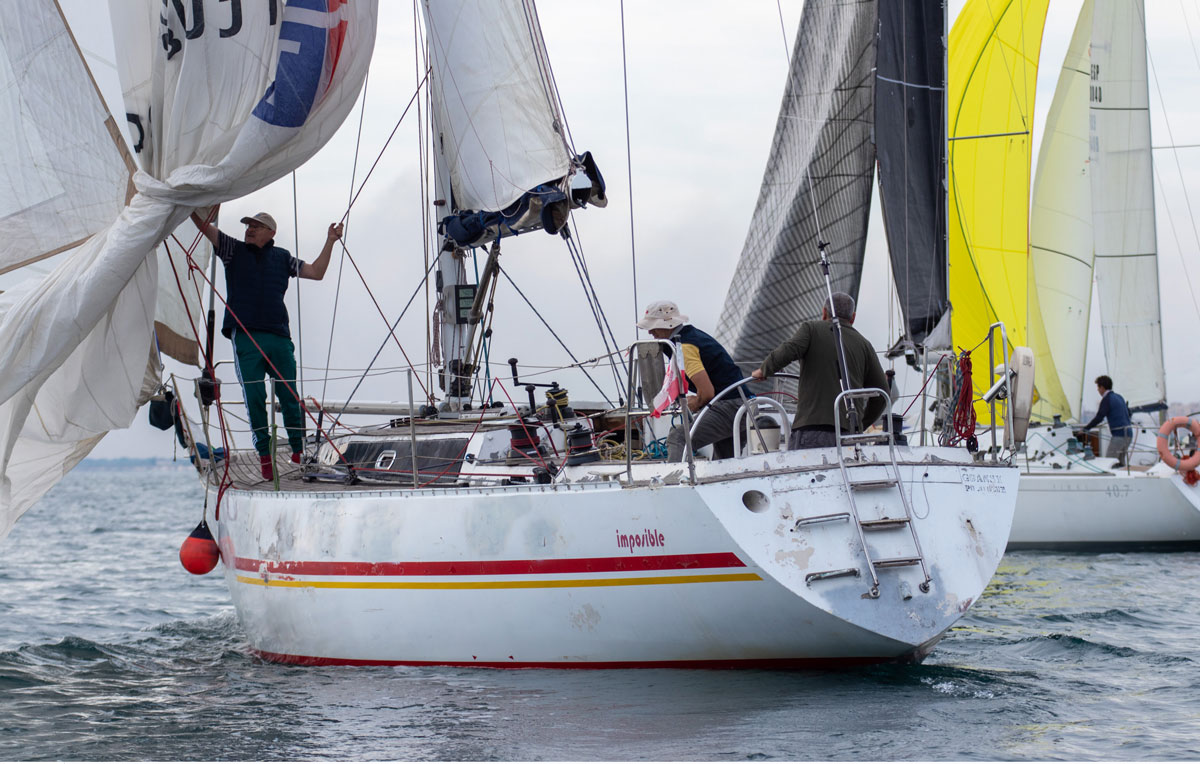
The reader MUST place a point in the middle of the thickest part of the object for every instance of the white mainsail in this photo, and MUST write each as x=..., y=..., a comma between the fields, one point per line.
x=227, y=97
x=495, y=105
x=1123, y=203
x=1060, y=234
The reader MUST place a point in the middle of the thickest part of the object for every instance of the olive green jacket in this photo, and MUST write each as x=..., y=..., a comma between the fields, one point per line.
x=814, y=346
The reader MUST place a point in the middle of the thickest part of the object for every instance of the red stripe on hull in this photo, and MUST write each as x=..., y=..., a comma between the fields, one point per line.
x=749, y=663
x=497, y=567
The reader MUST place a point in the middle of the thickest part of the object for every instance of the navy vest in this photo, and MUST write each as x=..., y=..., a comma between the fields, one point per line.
x=255, y=281
x=722, y=371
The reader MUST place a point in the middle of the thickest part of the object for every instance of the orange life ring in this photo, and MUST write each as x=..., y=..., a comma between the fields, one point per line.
x=1164, y=453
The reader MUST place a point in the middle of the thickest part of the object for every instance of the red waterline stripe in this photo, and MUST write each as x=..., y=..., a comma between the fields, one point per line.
x=497, y=567
x=730, y=663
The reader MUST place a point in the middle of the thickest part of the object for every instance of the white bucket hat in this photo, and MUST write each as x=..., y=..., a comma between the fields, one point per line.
x=663, y=314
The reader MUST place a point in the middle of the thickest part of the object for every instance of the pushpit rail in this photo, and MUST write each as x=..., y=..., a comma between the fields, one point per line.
x=630, y=397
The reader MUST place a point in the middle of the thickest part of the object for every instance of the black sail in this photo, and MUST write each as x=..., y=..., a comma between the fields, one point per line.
x=821, y=157
x=910, y=143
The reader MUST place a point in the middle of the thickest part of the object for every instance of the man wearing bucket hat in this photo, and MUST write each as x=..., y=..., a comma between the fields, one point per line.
x=709, y=370
x=257, y=275
x=815, y=345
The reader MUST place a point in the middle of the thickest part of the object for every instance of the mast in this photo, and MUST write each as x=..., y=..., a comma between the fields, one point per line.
x=503, y=163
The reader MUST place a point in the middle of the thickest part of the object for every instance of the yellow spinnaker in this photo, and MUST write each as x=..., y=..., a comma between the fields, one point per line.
x=994, y=48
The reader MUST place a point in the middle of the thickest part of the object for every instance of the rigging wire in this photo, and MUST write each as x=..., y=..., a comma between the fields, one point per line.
x=379, y=308
x=787, y=51
x=386, y=143
x=391, y=334
x=554, y=334
x=1187, y=202
x=299, y=304
x=337, y=294
x=421, y=53
x=629, y=170
x=593, y=299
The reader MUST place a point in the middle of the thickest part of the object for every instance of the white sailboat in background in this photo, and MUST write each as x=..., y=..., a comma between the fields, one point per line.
x=505, y=535
x=1095, y=194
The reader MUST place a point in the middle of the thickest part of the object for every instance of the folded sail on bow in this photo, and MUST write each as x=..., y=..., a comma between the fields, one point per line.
x=223, y=98
x=505, y=164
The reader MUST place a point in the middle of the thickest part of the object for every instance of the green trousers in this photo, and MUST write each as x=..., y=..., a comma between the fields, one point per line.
x=252, y=367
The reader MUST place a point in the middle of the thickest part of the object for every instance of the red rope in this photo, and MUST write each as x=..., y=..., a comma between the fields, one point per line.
x=964, y=410
x=278, y=377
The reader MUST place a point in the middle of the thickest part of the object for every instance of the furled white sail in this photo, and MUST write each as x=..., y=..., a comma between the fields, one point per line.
x=62, y=173
x=1060, y=235
x=226, y=97
x=494, y=103
x=1123, y=203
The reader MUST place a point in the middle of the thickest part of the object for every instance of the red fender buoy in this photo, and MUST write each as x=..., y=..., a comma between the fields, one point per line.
x=199, y=552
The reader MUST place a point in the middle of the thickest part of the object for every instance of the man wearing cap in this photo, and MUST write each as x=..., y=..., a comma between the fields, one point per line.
x=709, y=370
x=256, y=320
x=815, y=345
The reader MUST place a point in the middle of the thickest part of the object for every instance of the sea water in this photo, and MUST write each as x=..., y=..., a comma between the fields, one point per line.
x=110, y=651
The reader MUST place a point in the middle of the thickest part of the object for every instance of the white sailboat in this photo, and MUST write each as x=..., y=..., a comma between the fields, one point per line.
x=1094, y=195
x=505, y=535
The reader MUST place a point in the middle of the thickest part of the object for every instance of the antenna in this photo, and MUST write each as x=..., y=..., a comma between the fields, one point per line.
x=843, y=369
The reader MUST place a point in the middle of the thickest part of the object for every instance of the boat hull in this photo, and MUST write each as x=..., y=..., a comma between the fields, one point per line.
x=593, y=573
x=1114, y=510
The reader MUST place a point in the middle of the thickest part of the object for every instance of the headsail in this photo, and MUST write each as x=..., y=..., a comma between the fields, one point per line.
x=910, y=140
x=993, y=74
x=63, y=173
x=819, y=171
x=227, y=97
x=1123, y=204
x=1060, y=244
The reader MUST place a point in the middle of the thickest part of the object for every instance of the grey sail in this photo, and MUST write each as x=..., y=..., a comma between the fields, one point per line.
x=821, y=159
x=910, y=144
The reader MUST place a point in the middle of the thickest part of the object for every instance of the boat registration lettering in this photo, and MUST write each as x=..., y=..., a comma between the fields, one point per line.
x=642, y=540
x=983, y=482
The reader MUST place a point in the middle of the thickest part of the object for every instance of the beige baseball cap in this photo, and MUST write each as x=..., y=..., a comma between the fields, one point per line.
x=262, y=218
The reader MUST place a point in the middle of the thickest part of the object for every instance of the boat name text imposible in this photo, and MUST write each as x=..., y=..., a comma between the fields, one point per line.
x=647, y=538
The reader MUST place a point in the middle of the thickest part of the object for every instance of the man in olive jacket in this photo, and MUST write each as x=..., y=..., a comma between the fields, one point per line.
x=815, y=346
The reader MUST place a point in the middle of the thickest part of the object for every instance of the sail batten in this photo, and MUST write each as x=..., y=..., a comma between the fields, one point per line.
x=816, y=186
